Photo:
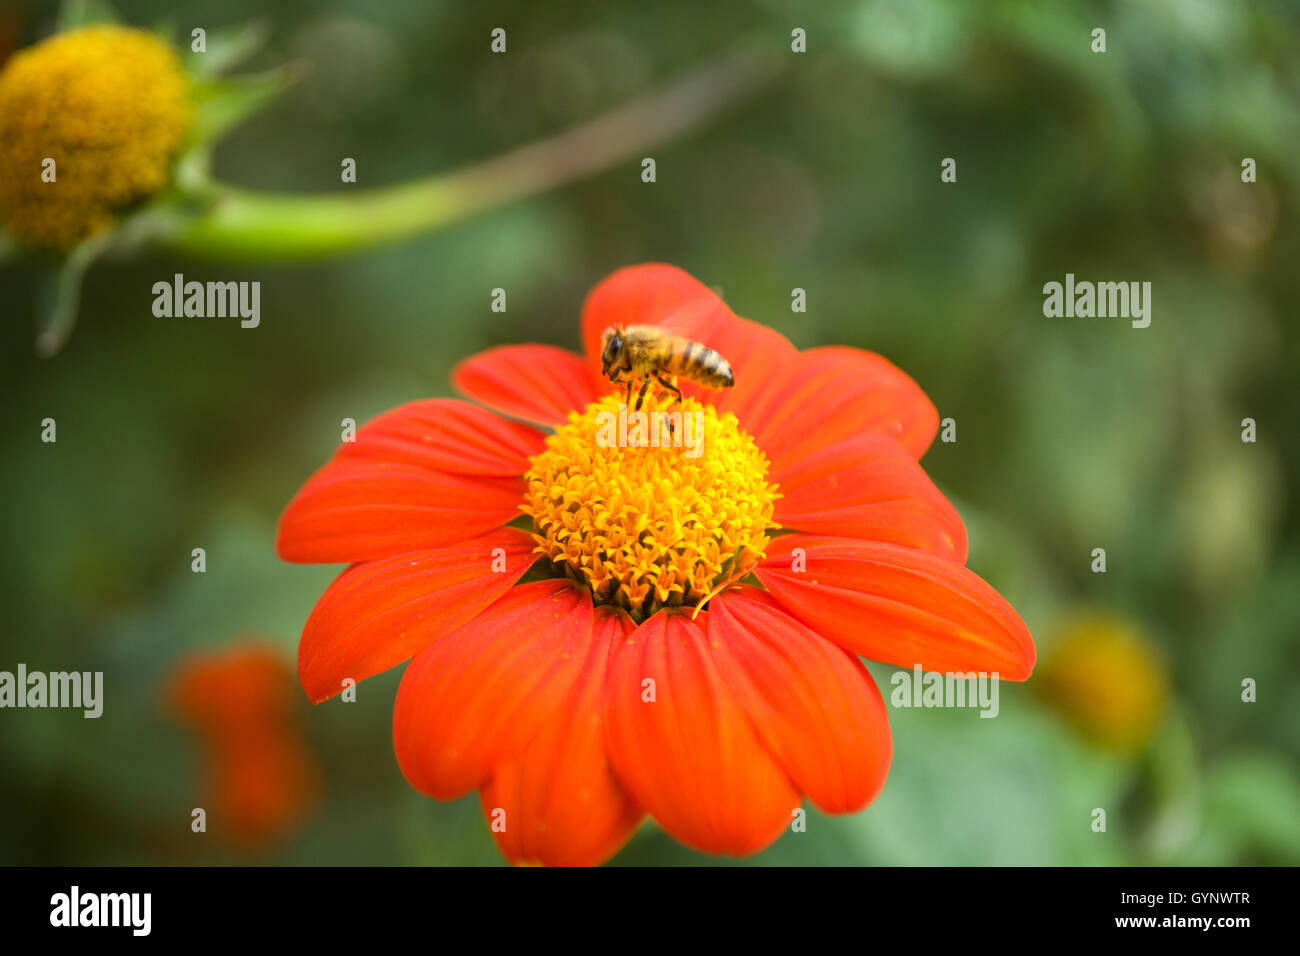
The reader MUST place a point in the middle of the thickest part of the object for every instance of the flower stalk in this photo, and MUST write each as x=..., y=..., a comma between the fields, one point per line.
x=263, y=225
x=190, y=212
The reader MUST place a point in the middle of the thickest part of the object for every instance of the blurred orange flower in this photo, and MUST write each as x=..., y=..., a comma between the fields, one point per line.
x=259, y=776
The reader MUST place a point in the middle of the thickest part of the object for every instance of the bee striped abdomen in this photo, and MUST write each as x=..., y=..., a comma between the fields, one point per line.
x=699, y=363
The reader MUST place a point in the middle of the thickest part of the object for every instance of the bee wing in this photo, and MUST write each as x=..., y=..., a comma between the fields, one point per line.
x=696, y=320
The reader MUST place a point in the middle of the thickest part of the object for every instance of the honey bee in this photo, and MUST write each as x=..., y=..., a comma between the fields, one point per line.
x=648, y=352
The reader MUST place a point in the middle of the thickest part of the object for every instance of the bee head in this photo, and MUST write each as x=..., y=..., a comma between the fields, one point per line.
x=611, y=349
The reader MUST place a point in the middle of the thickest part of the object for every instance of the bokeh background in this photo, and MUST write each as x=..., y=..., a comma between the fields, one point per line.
x=1072, y=434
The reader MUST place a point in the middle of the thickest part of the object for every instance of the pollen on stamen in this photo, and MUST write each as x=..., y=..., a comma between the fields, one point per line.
x=656, y=524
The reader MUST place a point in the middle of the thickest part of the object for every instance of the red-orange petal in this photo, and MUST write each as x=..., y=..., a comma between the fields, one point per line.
x=446, y=434
x=869, y=487
x=357, y=509
x=559, y=802
x=814, y=705
x=759, y=356
x=538, y=383
x=847, y=392
x=379, y=613
x=475, y=697
x=691, y=757
x=898, y=605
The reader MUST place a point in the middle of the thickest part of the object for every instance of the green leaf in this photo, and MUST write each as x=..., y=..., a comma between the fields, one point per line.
x=64, y=293
x=1255, y=797
x=159, y=220
x=75, y=14
x=1171, y=787
x=223, y=103
x=226, y=47
x=1015, y=790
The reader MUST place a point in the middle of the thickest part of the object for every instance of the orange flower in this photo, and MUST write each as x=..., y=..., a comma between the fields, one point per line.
x=259, y=775
x=593, y=693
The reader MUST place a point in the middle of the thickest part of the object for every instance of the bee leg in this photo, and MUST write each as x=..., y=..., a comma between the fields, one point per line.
x=640, y=397
x=628, y=399
x=670, y=386
x=676, y=391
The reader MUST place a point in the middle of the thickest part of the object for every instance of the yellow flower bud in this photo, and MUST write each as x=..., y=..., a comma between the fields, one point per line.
x=110, y=107
x=1104, y=676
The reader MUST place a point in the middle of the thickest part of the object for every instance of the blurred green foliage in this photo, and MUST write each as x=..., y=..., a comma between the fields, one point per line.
x=1072, y=433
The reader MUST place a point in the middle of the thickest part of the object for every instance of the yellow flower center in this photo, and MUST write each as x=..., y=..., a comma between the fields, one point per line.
x=90, y=120
x=651, y=510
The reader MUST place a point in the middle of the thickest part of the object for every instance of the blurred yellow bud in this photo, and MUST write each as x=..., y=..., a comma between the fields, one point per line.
x=90, y=120
x=1104, y=676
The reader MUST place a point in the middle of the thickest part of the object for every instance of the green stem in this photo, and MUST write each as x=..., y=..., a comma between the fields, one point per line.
x=247, y=224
